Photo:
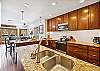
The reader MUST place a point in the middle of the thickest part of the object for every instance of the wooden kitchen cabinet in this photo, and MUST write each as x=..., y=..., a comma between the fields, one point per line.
x=94, y=16
x=84, y=52
x=53, y=26
x=94, y=55
x=76, y=51
x=83, y=18
x=49, y=24
x=65, y=18
x=72, y=20
x=59, y=20
x=52, y=44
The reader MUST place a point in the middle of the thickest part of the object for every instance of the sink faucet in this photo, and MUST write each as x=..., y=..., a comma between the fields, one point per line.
x=36, y=55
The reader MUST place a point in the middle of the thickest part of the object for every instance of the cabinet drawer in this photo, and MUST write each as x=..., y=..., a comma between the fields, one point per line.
x=93, y=55
x=71, y=53
x=72, y=45
x=72, y=49
x=78, y=55
x=83, y=47
x=95, y=62
x=96, y=49
x=77, y=50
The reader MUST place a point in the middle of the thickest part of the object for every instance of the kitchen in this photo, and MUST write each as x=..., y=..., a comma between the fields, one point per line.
x=67, y=40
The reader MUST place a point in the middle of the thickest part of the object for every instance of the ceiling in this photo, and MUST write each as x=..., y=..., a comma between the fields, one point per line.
x=11, y=9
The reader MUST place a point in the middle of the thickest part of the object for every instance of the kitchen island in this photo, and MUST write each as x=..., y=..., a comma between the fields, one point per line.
x=25, y=42
x=29, y=64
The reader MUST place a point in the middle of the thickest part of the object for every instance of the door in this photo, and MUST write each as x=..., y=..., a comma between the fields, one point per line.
x=72, y=20
x=49, y=24
x=83, y=18
x=53, y=26
x=65, y=20
x=94, y=16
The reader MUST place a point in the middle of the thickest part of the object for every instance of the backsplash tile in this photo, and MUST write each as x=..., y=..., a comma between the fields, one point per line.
x=81, y=36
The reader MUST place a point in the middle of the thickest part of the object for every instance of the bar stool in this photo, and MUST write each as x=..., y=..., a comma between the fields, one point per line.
x=8, y=46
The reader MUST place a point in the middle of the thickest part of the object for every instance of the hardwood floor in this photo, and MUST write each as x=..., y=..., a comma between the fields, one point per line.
x=6, y=63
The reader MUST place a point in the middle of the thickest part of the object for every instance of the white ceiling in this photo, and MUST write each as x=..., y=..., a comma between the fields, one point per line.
x=11, y=9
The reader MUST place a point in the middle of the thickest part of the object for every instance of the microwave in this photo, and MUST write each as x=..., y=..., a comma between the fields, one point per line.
x=62, y=27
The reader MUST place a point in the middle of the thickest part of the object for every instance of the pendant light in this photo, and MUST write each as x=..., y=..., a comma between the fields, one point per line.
x=22, y=18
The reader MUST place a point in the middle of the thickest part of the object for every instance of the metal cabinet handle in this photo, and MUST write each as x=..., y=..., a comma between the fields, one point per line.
x=75, y=50
x=94, y=55
x=93, y=48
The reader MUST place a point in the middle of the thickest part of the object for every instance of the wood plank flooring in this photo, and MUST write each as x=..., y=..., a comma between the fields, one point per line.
x=6, y=63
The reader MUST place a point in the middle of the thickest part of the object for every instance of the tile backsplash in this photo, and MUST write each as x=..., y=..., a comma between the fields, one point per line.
x=81, y=35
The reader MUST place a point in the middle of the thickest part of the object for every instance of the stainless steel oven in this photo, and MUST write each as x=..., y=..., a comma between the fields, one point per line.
x=61, y=46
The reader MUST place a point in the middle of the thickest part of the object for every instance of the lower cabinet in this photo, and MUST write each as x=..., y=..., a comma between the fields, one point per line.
x=76, y=51
x=94, y=55
x=44, y=43
x=84, y=52
x=49, y=43
x=52, y=44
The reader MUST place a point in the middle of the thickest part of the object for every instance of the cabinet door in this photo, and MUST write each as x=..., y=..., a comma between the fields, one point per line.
x=65, y=19
x=59, y=20
x=49, y=24
x=83, y=18
x=72, y=20
x=94, y=16
x=53, y=27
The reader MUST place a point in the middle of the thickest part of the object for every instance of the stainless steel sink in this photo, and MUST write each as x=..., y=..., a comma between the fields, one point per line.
x=46, y=54
x=58, y=63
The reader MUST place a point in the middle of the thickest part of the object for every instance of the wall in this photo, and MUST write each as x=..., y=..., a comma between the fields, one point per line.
x=0, y=14
x=81, y=36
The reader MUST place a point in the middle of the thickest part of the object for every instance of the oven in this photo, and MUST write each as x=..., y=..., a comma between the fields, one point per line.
x=61, y=46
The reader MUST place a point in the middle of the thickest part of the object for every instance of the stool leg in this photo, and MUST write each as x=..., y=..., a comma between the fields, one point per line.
x=11, y=50
x=6, y=52
x=16, y=58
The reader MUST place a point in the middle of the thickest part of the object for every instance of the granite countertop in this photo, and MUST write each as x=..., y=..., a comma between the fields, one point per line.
x=29, y=64
x=85, y=43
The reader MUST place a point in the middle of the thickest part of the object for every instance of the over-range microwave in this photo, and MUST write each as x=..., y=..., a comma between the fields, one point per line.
x=63, y=27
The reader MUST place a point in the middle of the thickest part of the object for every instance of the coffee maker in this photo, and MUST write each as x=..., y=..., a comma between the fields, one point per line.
x=96, y=40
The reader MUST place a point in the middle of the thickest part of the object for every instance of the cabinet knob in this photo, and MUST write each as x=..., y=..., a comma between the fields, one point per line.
x=93, y=48
x=94, y=55
x=75, y=50
x=94, y=63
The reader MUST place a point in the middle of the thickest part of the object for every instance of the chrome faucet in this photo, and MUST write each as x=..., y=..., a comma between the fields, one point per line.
x=36, y=54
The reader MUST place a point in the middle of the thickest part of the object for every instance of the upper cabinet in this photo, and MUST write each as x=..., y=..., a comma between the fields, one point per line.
x=49, y=24
x=72, y=20
x=65, y=18
x=83, y=18
x=53, y=27
x=94, y=16
x=59, y=19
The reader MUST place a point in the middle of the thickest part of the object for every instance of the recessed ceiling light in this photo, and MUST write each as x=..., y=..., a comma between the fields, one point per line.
x=81, y=1
x=26, y=4
x=53, y=3
x=50, y=15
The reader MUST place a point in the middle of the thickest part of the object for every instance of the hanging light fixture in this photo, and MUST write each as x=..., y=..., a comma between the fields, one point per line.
x=41, y=26
x=22, y=18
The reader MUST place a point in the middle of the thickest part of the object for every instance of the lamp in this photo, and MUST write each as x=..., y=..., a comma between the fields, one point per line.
x=22, y=18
